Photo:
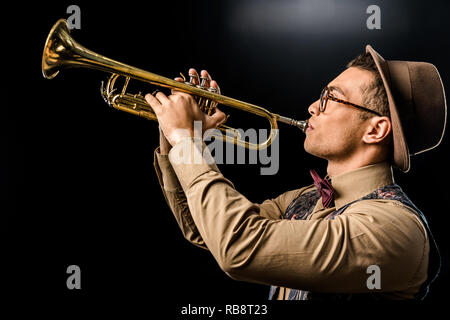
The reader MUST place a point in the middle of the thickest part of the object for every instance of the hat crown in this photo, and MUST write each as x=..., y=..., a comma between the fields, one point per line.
x=420, y=99
x=417, y=106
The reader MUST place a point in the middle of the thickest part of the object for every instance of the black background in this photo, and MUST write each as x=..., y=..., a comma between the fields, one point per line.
x=81, y=188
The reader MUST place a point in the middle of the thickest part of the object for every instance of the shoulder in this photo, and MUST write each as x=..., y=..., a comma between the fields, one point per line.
x=389, y=234
x=392, y=216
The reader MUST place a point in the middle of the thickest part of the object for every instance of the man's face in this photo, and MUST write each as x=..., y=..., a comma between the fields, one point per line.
x=336, y=133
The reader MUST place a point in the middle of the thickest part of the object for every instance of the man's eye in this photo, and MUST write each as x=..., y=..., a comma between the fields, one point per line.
x=337, y=95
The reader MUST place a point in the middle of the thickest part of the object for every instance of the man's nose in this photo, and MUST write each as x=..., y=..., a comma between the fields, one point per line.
x=313, y=109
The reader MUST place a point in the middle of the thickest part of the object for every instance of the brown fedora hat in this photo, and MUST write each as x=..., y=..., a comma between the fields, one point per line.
x=417, y=106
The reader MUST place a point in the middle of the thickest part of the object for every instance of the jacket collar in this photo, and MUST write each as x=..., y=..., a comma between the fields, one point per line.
x=355, y=184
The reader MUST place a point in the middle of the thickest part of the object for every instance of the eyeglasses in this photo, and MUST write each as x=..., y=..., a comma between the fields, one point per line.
x=325, y=95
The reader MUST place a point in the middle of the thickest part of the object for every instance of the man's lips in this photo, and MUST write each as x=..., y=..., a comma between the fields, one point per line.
x=310, y=127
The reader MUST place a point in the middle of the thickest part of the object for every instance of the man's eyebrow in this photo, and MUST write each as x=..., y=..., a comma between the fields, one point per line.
x=334, y=88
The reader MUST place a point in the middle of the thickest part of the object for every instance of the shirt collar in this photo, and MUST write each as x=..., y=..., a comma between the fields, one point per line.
x=353, y=185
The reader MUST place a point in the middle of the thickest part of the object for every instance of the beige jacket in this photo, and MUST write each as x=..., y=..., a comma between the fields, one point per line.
x=252, y=242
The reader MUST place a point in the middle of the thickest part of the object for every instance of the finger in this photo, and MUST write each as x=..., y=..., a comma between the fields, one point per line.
x=179, y=79
x=206, y=74
x=154, y=103
x=215, y=85
x=216, y=119
x=162, y=97
x=178, y=93
x=206, y=78
x=195, y=78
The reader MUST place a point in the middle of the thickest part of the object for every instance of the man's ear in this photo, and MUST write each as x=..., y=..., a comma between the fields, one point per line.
x=378, y=130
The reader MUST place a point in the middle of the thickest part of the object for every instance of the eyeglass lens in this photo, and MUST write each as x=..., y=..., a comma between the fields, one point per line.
x=323, y=99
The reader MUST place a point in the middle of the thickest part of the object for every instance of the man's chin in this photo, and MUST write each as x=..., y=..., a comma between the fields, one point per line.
x=312, y=151
x=308, y=148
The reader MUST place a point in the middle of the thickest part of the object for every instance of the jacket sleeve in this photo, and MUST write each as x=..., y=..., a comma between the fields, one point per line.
x=315, y=254
x=178, y=204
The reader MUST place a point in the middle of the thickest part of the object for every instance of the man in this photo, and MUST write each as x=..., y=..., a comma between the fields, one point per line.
x=319, y=241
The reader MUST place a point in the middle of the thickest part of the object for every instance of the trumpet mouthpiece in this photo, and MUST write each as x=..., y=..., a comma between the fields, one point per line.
x=301, y=124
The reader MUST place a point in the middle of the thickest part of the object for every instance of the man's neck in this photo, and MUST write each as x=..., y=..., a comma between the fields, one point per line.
x=356, y=160
x=335, y=168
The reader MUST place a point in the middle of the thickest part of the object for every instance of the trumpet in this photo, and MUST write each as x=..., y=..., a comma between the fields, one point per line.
x=61, y=51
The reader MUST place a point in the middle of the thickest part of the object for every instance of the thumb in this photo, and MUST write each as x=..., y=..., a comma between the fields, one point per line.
x=217, y=118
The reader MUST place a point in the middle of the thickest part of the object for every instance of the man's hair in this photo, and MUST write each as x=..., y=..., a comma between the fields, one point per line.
x=374, y=94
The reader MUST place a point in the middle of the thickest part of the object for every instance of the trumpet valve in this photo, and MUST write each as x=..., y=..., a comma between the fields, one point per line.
x=192, y=76
x=204, y=84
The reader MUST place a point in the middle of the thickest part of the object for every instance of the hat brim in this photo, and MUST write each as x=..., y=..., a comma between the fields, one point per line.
x=401, y=157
